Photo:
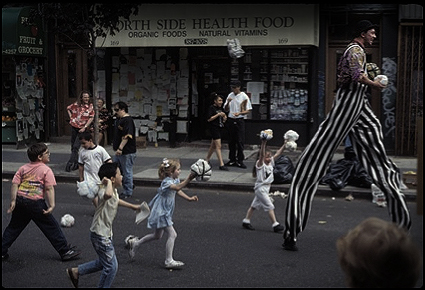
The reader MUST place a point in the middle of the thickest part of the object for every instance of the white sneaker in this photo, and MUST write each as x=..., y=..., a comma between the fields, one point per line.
x=174, y=264
x=132, y=248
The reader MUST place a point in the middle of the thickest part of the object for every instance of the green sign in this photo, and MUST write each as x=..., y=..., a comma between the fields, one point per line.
x=18, y=36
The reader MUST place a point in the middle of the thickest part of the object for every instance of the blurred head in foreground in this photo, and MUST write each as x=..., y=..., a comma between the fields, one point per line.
x=379, y=254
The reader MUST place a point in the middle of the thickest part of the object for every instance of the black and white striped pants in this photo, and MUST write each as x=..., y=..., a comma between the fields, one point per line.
x=350, y=115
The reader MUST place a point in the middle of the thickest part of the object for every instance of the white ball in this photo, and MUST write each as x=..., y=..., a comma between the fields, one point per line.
x=202, y=170
x=204, y=177
x=383, y=79
x=67, y=221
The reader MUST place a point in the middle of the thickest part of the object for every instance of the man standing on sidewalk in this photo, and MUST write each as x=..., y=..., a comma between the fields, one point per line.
x=124, y=146
x=238, y=105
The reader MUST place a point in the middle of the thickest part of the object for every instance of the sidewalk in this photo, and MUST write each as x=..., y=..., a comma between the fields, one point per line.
x=148, y=159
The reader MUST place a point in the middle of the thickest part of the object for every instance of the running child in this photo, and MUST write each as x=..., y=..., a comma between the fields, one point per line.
x=162, y=209
x=264, y=173
x=101, y=229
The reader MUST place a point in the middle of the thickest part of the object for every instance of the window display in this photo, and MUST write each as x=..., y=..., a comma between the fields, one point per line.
x=285, y=75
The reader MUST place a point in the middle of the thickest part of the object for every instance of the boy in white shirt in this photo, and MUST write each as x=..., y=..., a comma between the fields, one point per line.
x=90, y=158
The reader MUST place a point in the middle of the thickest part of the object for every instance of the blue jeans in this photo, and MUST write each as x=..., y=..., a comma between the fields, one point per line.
x=125, y=162
x=107, y=261
x=27, y=210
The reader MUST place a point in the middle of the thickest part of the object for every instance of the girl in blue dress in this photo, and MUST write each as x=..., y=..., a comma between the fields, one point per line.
x=162, y=209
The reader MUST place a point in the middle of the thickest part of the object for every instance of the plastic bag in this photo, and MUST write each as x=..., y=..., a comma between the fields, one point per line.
x=234, y=48
x=283, y=170
x=346, y=172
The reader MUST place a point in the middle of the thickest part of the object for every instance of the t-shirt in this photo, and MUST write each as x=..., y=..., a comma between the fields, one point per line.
x=235, y=104
x=212, y=111
x=125, y=128
x=264, y=174
x=80, y=114
x=92, y=159
x=33, y=178
x=105, y=213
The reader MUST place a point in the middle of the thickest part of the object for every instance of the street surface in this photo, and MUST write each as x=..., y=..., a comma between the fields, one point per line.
x=210, y=241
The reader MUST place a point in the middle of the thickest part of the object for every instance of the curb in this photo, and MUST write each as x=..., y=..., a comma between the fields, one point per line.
x=322, y=190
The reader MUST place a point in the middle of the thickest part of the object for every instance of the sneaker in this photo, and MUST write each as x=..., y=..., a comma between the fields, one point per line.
x=277, y=229
x=289, y=244
x=174, y=264
x=74, y=280
x=223, y=168
x=241, y=165
x=131, y=248
x=248, y=226
x=129, y=237
x=71, y=254
x=231, y=163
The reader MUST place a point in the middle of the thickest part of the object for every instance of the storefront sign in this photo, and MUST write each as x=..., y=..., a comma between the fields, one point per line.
x=211, y=25
x=19, y=37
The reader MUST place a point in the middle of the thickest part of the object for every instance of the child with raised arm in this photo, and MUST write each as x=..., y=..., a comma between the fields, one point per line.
x=101, y=228
x=264, y=171
x=162, y=209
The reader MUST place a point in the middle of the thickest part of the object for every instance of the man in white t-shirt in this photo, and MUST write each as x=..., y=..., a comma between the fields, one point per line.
x=238, y=105
x=90, y=158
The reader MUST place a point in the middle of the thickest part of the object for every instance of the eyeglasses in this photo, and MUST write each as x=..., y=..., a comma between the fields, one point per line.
x=46, y=153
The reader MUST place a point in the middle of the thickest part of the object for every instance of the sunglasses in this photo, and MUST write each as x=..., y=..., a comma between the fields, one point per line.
x=116, y=109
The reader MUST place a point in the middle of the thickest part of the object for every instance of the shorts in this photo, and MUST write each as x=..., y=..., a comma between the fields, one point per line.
x=262, y=199
x=215, y=132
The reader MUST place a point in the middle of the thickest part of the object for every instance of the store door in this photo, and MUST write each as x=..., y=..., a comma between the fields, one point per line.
x=72, y=79
x=213, y=75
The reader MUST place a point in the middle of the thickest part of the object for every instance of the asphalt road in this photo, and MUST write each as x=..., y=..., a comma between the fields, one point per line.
x=216, y=250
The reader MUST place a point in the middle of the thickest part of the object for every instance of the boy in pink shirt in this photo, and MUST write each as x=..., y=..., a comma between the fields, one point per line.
x=32, y=185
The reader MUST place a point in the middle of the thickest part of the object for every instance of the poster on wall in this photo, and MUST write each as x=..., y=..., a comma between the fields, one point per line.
x=29, y=99
x=183, y=25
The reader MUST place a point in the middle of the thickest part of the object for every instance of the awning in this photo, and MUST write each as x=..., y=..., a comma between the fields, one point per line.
x=19, y=38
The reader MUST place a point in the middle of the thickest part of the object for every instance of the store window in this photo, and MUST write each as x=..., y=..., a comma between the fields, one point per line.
x=277, y=80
